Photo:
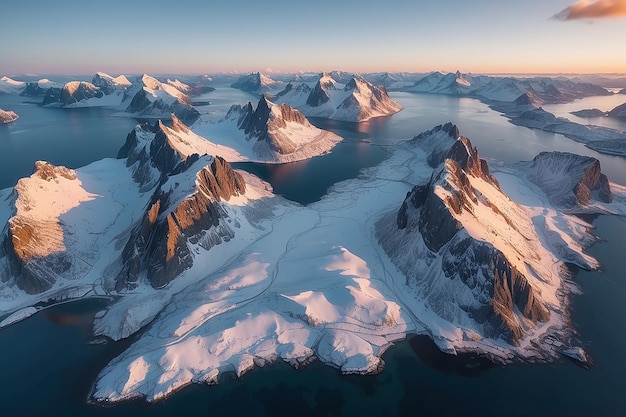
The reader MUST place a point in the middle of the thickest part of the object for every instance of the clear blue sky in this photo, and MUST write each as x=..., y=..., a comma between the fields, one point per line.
x=185, y=36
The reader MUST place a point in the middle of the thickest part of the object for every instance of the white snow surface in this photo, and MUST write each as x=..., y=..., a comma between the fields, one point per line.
x=357, y=104
x=225, y=139
x=11, y=86
x=294, y=284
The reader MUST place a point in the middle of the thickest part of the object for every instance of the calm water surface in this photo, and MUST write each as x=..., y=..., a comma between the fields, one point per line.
x=604, y=103
x=48, y=365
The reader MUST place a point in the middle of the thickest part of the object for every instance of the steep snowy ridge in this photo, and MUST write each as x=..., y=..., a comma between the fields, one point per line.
x=148, y=97
x=270, y=133
x=218, y=274
x=357, y=100
x=182, y=211
x=36, y=238
x=505, y=89
x=256, y=82
x=470, y=250
x=11, y=86
x=109, y=84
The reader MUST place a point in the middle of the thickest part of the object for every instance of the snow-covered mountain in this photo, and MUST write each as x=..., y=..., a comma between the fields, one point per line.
x=356, y=100
x=468, y=249
x=506, y=89
x=394, y=80
x=160, y=202
x=145, y=97
x=149, y=98
x=222, y=276
x=573, y=183
x=256, y=82
x=8, y=116
x=270, y=133
x=11, y=86
x=110, y=85
x=39, y=88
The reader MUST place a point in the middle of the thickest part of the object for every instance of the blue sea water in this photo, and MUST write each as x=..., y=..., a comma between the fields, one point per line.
x=48, y=364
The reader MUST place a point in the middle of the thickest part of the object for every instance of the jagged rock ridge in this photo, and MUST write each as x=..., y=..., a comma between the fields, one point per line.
x=357, y=100
x=276, y=133
x=448, y=241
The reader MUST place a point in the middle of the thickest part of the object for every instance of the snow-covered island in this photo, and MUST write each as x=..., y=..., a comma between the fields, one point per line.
x=221, y=275
x=521, y=100
x=338, y=96
x=269, y=133
x=8, y=116
x=145, y=97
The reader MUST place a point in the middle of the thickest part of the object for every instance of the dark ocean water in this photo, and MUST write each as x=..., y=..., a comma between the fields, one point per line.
x=48, y=364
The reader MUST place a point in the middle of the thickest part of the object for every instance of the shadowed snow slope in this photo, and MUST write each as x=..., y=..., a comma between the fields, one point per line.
x=222, y=275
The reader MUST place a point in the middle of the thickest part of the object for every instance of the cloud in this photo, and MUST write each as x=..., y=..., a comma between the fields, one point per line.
x=598, y=9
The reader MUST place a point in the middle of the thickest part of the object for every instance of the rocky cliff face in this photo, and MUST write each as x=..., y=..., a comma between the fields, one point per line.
x=341, y=97
x=147, y=97
x=161, y=244
x=33, y=89
x=466, y=274
x=35, y=240
x=278, y=130
x=75, y=91
x=570, y=181
x=184, y=209
x=53, y=95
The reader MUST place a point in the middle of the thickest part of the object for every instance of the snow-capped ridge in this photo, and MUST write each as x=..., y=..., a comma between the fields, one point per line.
x=355, y=100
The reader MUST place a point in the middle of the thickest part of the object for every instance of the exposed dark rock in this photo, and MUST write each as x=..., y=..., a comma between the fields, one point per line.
x=427, y=227
x=33, y=89
x=569, y=180
x=33, y=270
x=76, y=91
x=159, y=244
x=318, y=95
x=53, y=95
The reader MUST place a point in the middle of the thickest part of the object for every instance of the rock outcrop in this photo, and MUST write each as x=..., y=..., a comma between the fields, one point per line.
x=570, y=181
x=184, y=209
x=8, y=116
x=280, y=132
x=161, y=244
x=470, y=275
x=35, y=239
x=357, y=100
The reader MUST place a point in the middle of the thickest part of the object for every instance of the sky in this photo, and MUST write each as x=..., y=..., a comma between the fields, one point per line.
x=198, y=37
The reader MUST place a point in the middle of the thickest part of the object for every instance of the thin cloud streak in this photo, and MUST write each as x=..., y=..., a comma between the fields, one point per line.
x=599, y=9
